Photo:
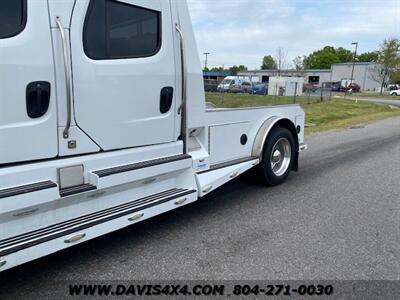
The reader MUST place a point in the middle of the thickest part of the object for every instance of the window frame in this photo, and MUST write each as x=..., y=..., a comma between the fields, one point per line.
x=85, y=26
x=23, y=23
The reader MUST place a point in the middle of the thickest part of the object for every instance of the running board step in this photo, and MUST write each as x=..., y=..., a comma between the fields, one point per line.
x=144, y=171
x=222, y=173
x=140, y=165
x=73, y=226
x=65, y=192
x=228, y=164
x=25, y=189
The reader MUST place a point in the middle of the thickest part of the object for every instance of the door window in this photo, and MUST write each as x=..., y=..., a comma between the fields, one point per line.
x=12, y=17
x=115, y=30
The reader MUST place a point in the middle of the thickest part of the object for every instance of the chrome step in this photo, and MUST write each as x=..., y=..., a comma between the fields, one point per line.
x=228, y=164
x=25, y=189
x=140, y=165
x=76, y=190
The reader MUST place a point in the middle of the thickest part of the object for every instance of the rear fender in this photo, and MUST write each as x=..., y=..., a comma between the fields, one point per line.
x=265, y=130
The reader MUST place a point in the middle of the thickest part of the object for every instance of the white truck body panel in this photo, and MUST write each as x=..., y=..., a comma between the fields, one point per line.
x=123, y=159
x=117, y=100
x=26, y=58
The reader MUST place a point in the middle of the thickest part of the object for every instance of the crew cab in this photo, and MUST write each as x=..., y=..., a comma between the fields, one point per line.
x=103, y=123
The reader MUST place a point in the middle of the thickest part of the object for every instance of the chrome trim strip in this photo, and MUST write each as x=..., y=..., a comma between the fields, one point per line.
x=228, y=164
x=210, y=110
x=140, y=165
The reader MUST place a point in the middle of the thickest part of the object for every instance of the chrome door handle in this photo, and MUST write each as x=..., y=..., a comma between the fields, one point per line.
x=67, y=67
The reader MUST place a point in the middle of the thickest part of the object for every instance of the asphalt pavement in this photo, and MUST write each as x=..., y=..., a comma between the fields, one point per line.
x=337, y=218
x=393, y=102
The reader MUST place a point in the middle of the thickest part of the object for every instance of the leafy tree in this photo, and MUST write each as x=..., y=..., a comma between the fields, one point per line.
x=298, y=63
x=206, y=70
x=324, y=58
x=321, y=59
x=344, y=55
x=368, y=57
x=268, y=63
x=217, y=69
x=236, y=69
x=389, y=60
x=395, y=77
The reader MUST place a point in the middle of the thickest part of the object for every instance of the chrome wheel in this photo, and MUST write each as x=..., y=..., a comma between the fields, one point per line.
x=281, y=157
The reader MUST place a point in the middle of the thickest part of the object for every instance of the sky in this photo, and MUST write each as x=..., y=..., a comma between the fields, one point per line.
x=243, y=31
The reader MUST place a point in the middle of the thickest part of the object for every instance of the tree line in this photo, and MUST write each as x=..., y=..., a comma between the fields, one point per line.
x=387, y=56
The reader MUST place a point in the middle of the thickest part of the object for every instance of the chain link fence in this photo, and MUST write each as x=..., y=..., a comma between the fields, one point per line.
x=260, y=94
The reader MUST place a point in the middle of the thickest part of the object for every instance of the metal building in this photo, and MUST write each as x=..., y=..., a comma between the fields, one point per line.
x=366, y=75
x=310, y=76
x=285, y=86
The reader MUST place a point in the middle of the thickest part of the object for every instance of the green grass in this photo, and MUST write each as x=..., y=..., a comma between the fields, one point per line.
x=340, y=114
x=328, y=115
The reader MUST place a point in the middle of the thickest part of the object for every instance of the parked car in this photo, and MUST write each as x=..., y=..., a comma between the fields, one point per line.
x=210, y=85
x=310, y=87
x=260, y=89
x=352, y=88
x=395, y=93
x=335, y=86
x=241, y=87
x=393, y=87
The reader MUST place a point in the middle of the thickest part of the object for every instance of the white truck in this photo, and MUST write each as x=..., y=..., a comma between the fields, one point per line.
x=103, y=123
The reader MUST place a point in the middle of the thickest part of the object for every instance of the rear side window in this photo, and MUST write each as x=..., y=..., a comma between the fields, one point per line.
x=12, y=17
x=115, y=30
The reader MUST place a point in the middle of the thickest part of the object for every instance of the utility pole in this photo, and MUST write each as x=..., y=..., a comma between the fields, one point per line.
x=206, y=62
x=354, y=62
x=352, y=70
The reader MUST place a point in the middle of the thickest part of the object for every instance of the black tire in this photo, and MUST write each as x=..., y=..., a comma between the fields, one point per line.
x=265, y=171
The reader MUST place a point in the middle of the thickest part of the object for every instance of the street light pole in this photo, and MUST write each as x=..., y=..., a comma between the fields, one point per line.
x=352, y=70
x=206, y=62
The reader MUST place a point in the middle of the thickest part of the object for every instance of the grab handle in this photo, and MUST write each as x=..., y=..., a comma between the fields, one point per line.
x=183, y=108
x=67, y=77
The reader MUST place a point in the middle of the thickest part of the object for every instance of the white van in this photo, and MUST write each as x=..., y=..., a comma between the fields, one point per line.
x=229, y=81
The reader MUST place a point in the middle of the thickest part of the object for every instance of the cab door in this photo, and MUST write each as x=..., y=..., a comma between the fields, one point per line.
x=28, y=121
x=124, y=72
